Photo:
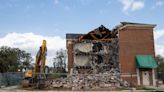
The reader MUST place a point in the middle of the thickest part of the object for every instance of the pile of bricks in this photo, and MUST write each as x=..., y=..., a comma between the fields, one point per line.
x=90, y=81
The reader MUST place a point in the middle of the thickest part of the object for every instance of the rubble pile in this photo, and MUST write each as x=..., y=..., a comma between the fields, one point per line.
x=90, y=81
x=97, y=81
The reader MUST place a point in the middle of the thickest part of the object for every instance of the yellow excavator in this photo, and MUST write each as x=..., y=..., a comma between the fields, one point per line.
x=36, y=77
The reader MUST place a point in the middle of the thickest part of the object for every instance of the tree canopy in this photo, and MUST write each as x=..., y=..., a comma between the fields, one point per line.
x=60, y=61
x=13, y=59
x=160, y=62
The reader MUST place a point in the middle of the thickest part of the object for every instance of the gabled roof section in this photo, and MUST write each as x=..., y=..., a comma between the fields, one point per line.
x=100, y=33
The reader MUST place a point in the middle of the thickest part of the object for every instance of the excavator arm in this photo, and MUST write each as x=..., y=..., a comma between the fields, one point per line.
x=40, y=60
x=37, y=78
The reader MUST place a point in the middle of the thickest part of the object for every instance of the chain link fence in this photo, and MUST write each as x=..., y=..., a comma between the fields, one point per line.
x=10, y=79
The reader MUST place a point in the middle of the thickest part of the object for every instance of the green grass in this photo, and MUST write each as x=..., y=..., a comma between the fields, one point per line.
x=155, y=91
x=56, y=75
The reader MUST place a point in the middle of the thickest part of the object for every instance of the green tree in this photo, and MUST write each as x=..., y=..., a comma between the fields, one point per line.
x=60, y=61
x=12, y=59
x=160, y=62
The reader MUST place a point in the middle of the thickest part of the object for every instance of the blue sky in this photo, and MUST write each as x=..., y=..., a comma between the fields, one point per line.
x=25, y=23
x=57, y=17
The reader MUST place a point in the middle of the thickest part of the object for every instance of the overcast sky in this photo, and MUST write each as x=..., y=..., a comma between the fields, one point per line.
x=25, y=23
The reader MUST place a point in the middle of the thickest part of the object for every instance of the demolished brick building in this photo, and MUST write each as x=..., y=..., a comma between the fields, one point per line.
x=127, y=50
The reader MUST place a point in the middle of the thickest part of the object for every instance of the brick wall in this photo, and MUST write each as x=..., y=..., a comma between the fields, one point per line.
x=70, y=54
x=133, y=41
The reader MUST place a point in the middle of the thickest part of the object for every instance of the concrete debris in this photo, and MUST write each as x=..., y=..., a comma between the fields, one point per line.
x=91, y=81
x=96, y=66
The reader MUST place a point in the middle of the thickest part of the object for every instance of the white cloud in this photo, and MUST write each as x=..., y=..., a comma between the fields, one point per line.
x=109, y=2
x=56, y=2
x=158, y=34
x=85, y=2
x=159, y=50
x=31, y=42
x=131, y=5
x=137, y=5
x=158, y=37
x=158, y=3
x=67, y=8
x=126, y=4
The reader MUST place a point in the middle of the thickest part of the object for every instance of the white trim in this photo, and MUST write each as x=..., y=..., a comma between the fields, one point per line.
x=138, y=76
x=153, y=74
x=137, y=25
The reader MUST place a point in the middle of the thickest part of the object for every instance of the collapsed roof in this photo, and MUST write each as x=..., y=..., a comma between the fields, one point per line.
x=100, y=33
x=103, y=33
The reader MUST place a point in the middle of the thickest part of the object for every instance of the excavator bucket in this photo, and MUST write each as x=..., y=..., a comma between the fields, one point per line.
x=44, y=43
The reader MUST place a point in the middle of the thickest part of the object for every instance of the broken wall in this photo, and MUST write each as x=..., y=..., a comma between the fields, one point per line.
x=99, y=56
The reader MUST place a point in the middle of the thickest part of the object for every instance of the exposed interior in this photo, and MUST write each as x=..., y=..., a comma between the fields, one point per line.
x=96, y=52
